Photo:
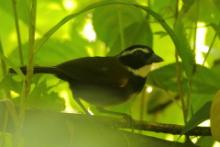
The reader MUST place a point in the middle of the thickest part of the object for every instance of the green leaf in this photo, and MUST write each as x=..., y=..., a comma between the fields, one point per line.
x=216, y=27
x=211, y=13
x=201, y=115
x=43, y=97
x=8, y=84
x=204, y=80
x=117, y=18
x=160, y=99
x=58, y=51
x=136, y=33
x=217, y=4
x=203, y=10
x=187, y=4
x=163, y=77
x=22, y=9
x=183, y=48
x=165, y=8
x=205, y=141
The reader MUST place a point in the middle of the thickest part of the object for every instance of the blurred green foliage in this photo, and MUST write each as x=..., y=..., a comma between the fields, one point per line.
x=187, y=30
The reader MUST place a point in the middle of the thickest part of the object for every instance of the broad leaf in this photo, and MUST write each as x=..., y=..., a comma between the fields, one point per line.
x=110, y=22
x=136, y=33
x=201, y=115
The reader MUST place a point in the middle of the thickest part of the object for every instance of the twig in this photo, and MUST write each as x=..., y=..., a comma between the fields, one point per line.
x=210, y=48
x=172, y=129
x=14, y=4
x=125, y=123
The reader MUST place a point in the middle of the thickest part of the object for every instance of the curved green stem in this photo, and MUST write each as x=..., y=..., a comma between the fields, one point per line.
x=187, y=57
x=28, y=77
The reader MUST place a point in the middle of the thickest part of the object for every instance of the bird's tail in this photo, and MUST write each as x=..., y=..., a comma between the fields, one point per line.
x=37, y=69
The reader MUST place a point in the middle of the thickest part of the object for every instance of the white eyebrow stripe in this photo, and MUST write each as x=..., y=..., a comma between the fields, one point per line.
x=132, y=51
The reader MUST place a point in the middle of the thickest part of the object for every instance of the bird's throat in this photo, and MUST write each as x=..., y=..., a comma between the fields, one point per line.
x=142, y=72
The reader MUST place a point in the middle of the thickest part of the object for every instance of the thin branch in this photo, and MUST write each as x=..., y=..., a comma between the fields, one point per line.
x=14, y=4
x=149, y=126
x=172, y=129
x=196, y=26
x=121, y=123
x=10, y=105
x=28, y=77
x=120, y=27
x=210, y=48
x=179, y=71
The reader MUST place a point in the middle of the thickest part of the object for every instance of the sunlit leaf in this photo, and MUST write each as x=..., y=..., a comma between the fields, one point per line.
x=136, y=33
x=110, y=23
x=165, y=8
x=183, y=48
x=204, y=80
x=206, y=141
x=201, y=115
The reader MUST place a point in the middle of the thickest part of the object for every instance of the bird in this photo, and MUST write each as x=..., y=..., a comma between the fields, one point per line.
x=105, y=81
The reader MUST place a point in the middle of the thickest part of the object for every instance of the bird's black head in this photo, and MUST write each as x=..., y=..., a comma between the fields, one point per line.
x=137, y=56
